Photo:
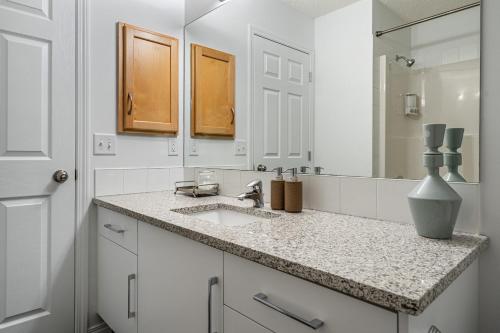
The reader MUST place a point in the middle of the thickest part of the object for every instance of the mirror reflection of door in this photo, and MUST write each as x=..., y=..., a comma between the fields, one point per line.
x=281, y=105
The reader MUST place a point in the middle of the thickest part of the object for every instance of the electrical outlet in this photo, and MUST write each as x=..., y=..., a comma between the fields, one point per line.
x=240, y=148
x=173, y=147
x=104, y=144
x=193, y=148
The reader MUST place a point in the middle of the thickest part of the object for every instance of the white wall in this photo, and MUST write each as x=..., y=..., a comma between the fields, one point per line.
x=227, y=29
x=196, y=8
x=344, y=90
x=490, y=164
x=450, y=39
x=132, y=150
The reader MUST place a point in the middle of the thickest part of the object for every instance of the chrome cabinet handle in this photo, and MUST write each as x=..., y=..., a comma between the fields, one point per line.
x=211, y=282
x=114, y=229
x=263, y=299
x=232, y=119
x=131, y=314
x=130, y=98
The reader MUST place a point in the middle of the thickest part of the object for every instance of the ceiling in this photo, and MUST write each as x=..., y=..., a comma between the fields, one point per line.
x=408, y=10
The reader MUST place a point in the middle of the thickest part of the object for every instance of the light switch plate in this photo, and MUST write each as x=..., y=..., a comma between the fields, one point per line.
x=104, y=144
x=240, y=147
x=173, y=147
x=193, y=148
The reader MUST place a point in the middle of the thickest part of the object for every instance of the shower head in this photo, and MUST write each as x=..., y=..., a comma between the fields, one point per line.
x=408, y=62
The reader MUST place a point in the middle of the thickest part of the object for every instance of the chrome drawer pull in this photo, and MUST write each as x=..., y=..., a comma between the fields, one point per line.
x=211, y=282
x=114, y=229
x=131, y=314
x=314, y=324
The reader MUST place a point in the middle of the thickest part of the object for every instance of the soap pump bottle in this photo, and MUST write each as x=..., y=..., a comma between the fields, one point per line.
x=278, y=190
x=293, y=193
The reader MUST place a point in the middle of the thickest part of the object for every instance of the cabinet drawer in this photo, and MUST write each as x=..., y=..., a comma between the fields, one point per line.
x=236, y=323
x=339, y=313
x=118, y=228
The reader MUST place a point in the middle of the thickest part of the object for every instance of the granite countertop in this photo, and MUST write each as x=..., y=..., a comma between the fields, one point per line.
x=380, y=262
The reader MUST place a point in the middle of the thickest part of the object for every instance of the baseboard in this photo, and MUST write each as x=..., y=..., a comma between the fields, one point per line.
x=99, y=328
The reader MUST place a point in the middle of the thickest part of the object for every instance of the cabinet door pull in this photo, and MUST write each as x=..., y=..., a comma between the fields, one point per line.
x=114, y=229
x=130, y=98
x=211, y=282
x=131, y=314
x=263, y=299
x=232, y=112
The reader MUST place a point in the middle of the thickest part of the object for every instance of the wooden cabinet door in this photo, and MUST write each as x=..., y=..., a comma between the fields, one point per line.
x=177, y=289
x=116, y=286
x=149, y=81
x=212, y=92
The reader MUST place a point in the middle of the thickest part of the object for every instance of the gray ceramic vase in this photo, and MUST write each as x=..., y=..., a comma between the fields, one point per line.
x=452, y=158
x=434, y=205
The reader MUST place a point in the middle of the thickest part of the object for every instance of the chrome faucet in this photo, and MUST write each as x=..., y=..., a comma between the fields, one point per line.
x=256, y=194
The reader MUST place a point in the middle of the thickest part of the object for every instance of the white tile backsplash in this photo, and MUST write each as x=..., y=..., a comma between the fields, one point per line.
x=385, y=199
x=392, y=201
x=108, y=182
x=321, y=193
x=231, y=182
x=358, y=196
x=158, y=179
x=135, y=180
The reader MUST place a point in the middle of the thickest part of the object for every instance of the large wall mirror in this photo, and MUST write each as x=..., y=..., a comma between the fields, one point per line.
x=340, y=86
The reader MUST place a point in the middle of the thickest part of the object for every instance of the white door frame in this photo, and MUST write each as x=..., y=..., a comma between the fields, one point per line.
x=83, y=144
x=255, y=31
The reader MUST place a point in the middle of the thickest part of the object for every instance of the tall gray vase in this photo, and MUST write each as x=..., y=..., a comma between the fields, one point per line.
x=434, y=205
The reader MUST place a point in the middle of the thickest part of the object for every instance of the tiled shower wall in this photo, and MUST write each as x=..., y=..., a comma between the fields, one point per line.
x=369, y=197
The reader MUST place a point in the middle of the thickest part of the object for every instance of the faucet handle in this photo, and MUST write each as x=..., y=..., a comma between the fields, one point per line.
x=257, y=183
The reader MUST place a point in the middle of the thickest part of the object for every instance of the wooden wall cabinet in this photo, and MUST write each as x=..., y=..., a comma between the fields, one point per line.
x=148, y=81
x=212, y=92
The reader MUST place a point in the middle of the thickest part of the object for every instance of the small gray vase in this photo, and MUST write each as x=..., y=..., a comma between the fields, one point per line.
x=434, y=205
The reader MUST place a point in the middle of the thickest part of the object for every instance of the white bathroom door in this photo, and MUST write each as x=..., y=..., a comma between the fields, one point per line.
x=280, y=105
x=37, y=137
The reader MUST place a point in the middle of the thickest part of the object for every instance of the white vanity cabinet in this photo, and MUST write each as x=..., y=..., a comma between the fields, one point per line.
x=117, y=271
x=235, y=322
x=180, y=283
x=272, y=298
x=151, y=280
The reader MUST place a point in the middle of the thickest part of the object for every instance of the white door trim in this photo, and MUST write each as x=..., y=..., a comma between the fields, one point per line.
x=256, y=31
x=83, y=195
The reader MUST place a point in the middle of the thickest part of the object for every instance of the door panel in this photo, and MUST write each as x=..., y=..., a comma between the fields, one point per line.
x=116, y=281
x=271, y=123
x=37, y=217
x=36, y=7
x=23, y=248
x=25, y=95
x=295, y=125
x=281, y=105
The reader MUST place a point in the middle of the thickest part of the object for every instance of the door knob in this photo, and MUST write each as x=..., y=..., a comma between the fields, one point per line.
x=60, y=176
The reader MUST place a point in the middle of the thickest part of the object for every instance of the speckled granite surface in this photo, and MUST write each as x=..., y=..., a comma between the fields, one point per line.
x=383, y=263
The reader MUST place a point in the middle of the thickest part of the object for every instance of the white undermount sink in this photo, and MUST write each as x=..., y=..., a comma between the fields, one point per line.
x=227, y=215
